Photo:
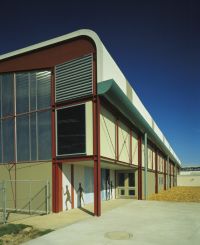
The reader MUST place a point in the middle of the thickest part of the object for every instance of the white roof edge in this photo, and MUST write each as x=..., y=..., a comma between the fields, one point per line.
x=81, y=32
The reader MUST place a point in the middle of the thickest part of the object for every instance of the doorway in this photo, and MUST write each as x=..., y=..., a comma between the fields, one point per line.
x=126, y=184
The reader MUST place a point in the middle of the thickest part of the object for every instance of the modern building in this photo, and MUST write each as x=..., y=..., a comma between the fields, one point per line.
x=69, y=116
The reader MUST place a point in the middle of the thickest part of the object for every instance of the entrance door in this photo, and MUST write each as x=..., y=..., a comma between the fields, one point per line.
x=126, y=184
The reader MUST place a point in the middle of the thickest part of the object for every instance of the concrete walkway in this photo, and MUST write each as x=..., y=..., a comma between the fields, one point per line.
x=56, y=221
x=137, y=222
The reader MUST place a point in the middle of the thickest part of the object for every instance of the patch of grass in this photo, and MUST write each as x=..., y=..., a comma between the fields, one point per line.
x=15, y=231
x=12, y=229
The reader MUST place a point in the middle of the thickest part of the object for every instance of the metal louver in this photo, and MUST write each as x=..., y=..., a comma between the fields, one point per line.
x=74, y=78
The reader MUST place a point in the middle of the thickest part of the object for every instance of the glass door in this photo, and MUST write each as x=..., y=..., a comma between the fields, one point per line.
x=125, y=184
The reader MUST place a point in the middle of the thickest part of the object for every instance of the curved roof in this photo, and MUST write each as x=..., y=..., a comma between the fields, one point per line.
x=107, y=70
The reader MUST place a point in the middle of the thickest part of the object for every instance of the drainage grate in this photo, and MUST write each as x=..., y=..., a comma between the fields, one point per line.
x=119, y=235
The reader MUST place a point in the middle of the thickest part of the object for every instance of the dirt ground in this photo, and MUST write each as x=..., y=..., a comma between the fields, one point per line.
x=178, y=194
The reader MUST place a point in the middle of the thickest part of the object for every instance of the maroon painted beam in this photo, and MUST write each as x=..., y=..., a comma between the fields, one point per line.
x=164, y=174
x=130, y=153
x=139, y=167
x=156, y=171
x=72, y=186
x=117, y=139
x=97, y=163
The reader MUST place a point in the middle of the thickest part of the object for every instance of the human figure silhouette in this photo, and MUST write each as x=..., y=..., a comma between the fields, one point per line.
x=80, y=191
x=68, y=197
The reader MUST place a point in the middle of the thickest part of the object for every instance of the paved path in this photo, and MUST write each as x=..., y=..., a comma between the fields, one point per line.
x=58, y=220
x=137, y=222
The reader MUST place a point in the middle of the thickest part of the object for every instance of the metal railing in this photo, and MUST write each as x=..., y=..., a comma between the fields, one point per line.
x=24, y=196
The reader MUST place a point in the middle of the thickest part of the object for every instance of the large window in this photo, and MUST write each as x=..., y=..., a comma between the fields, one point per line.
x=71, y=137
x=26, y=108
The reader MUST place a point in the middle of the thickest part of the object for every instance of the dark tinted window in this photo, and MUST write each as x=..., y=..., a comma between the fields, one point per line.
x=131, y=177
x=71, y=130
x=121, y=179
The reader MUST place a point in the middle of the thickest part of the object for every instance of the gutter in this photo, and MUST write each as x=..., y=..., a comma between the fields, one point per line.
x=112, y=92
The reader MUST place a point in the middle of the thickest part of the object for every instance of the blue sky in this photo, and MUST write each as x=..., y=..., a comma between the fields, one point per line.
x=155, y=43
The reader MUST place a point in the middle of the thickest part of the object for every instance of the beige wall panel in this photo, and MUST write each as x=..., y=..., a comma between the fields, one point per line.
x=154, y=160
x=143, y=184
x=158, y=162
x=7, y=172
x=134, y=148
x=150, y=157
x=33, y=171
x=142, y=153
x=107, y=134
x=151, y=183
x=136, y=184
x=89, y=128
x=190, y=180
x=160, y=182
x=124, y=143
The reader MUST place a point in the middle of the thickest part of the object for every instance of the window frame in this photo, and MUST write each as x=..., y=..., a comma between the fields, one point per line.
x=56, y=132
x=16, y=115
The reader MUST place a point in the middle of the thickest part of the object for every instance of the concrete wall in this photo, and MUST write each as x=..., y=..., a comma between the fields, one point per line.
x=110, y=193
x=85, y=176
x=66, y=186
x=190, y=180
x=29, y=192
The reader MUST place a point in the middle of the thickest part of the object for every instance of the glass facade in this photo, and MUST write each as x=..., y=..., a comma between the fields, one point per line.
x=25, y=116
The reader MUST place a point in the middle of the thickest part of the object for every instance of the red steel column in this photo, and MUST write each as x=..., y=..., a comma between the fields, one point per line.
x=164, y=174
x=72, y=186
x=130, y=153
x=97, y=163
x=139, y=167
x=117, y=140
x=56, y=167
x=170, y=178
x=156, y=171
x=57, y=187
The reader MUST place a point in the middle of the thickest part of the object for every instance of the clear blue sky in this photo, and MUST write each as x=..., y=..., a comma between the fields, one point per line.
x=155, y=43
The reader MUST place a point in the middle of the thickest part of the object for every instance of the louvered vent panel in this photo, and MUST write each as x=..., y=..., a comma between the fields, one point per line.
x=74, y=79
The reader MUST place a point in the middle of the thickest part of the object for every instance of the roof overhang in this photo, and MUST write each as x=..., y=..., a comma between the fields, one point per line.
x=112, y=93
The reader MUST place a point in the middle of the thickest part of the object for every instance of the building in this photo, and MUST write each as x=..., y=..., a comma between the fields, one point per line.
x=189, y=176
x=68, y=115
